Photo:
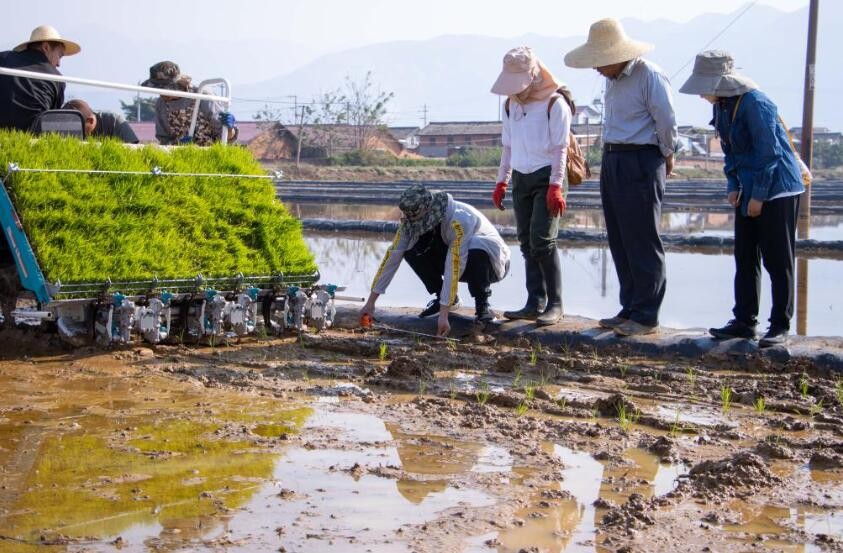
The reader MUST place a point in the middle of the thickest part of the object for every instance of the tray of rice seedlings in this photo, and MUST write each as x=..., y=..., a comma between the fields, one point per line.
x=114, y=243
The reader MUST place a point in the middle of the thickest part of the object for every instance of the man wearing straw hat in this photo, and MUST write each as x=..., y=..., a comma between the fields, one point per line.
x=639, y=137
x=22, y=99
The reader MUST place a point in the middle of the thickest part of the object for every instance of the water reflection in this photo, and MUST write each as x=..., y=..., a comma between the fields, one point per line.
x=699, y=288
x=823, y=227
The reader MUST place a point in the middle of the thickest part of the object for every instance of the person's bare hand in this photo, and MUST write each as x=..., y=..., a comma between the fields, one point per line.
x=668, y=165
x=443, y=327
x=733, y=198
x=754, y=208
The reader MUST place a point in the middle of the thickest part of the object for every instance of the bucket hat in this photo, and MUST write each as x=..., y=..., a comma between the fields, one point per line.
x=520, y=67
x=166, y=74
x=607, y=44
x=46, y=33
x=421, y=209
x=714, y=75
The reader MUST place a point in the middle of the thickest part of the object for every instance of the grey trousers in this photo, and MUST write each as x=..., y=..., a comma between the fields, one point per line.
x=632, y=189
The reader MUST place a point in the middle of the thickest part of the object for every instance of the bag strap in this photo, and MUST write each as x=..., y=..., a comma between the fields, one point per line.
x=737, y=105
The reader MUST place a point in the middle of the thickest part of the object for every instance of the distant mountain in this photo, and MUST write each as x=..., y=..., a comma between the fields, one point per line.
x=452, y=74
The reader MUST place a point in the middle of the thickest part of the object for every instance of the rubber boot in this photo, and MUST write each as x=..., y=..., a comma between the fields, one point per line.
x=536, y=296
x=552, y=272
x=482, y=312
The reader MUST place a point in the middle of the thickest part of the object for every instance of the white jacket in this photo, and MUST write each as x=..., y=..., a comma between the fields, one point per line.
x=463, y=228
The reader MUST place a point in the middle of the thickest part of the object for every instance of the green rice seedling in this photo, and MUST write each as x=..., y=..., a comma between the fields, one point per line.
x=624, y=417
x=382, y=351
x=760, y=405
x=594, y=414
x=95, y=227
x=482, y=393
x=677, y=427
x=521, y=409
x=562, y=403
x=535, y=350
x=517, y=380
x=804, y=385
x=815, y=409
x=657, y=376
x=305, y=375
x=544, y=378
x=838, y=388
x=623, y=367
x=565, y=348
x=692, y=377
x=725, y=398
x=452, y=392
x=451, y=345
x=530, y=390
x=422, y=386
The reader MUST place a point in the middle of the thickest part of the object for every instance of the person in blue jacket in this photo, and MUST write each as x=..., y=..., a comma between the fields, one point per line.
x=765, y=179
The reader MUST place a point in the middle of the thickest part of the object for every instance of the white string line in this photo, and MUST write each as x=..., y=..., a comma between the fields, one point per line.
x=156, y=172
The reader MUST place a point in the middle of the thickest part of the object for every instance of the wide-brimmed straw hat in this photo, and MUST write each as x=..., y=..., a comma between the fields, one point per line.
x=46, y=33
x=520, y=67
x=607, y=44
x=714, y=75
x=421, y=209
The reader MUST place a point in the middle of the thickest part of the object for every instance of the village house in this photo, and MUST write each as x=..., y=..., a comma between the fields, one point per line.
x=440, y=138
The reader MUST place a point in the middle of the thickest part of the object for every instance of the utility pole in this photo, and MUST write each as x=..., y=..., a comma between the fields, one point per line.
x=301, y=137
x=807, y=152
x=424, y=115
x=138, y=105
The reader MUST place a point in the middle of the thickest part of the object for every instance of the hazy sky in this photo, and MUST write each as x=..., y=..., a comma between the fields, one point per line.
x=327, y=25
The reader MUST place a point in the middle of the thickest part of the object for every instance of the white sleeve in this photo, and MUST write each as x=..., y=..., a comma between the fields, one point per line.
x=391, y=260
x=505, y=169
x=560, y=133
x=455, y=263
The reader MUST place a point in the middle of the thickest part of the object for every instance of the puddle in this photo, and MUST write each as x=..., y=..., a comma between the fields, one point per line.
x=334, y=509
x=569, y=524
x=776, y=525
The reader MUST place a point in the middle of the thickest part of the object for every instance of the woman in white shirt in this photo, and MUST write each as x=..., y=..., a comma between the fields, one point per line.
x=535, y=135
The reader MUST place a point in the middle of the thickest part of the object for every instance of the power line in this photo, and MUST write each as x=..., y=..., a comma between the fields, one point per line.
x=718, y=35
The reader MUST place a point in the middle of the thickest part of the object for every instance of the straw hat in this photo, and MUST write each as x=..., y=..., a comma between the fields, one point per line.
x=46, y=33
x=520, y=67
x=607, y=44
x=714, y=75
x=421, y=209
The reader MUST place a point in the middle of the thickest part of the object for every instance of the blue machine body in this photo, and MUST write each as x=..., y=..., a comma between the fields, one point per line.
x=31, y=276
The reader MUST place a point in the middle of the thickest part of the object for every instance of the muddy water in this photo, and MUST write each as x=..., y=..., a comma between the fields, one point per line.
x=699, y=289
x=209, y=450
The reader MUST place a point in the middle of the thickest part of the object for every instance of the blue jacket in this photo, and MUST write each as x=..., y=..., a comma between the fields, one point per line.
x=760, y=161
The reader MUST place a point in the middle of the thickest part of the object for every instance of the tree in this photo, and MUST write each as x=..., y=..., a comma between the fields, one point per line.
x=366, y=107
x=147, y=109
x=827, y=155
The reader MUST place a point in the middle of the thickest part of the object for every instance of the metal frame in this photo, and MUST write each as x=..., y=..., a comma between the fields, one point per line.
x=29, y=271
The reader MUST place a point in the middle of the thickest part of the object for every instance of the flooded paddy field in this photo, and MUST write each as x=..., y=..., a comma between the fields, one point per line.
x=346, y=441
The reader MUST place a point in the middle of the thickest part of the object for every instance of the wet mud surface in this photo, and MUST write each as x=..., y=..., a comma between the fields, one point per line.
x=352, y=442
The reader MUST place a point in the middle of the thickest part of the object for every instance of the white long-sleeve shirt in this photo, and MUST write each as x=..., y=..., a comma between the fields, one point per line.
x=463, y=228
x=533, y=139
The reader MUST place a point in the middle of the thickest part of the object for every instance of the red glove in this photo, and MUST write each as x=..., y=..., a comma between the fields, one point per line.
x=555, y=200
x=498, y=195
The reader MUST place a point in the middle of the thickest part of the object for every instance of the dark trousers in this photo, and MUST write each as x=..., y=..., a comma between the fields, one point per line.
x=771, y=238
x=632, y=189
x=537, y=230
x=427, y=259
